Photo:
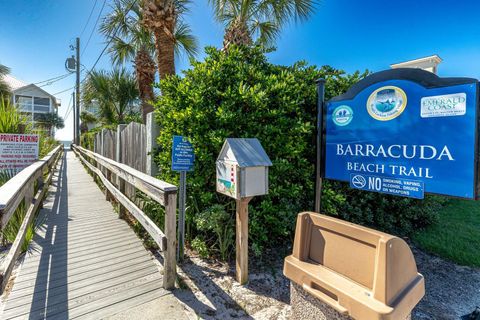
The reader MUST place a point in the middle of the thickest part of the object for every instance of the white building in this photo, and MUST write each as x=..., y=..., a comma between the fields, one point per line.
x=31, y=99
x=429, y=63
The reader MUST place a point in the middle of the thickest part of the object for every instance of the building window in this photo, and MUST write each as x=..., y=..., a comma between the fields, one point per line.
x=41, y=104
x=24, y=103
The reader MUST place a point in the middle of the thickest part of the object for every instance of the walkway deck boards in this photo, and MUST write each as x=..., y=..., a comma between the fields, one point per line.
x=84, y=262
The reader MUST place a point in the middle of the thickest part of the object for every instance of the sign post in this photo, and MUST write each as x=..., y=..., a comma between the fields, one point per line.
x=242, y=173
x=319, y=146
x=183, y=159
x=405, y=132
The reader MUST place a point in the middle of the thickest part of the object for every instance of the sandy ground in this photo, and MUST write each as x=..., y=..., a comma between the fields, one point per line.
x=209, y=290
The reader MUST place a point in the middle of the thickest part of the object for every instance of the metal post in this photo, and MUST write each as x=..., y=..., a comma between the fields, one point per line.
x=74, y=122
x=181, y=215
x=318, y=165
x=77, y=106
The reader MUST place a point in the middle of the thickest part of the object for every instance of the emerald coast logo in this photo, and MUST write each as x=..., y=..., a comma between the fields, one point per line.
x=342, y=115
x=386, y=103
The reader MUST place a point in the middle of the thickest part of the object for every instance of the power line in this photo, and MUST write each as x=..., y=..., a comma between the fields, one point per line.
x=69, y=109
x=53, y=79
x=63, y=91
x=94, y=27
x=89, y=16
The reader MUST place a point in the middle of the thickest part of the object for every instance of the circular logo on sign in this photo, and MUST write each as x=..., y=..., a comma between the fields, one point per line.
x=342, y=115
x=386, y=103
x=359, y=181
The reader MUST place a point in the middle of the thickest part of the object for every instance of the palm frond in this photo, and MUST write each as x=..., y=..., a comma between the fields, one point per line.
x=185, y=40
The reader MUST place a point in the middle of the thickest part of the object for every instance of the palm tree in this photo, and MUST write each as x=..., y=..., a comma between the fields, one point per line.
x=4, y=88
x=163, y=18
x=245, y=20
x=132, y=42
x=51, y=120
x=115, y=92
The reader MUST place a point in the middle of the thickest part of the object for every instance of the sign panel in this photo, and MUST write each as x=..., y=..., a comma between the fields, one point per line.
x=182, y=154
x=394, y=186
x=416, y=127
x=17, y=151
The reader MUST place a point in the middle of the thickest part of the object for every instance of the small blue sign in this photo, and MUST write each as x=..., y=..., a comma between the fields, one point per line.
x=405, y=125
x=388, y=185
x=182, y=154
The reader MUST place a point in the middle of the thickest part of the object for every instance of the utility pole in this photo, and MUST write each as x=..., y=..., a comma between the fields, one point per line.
x=74, y=117
x=77, y=96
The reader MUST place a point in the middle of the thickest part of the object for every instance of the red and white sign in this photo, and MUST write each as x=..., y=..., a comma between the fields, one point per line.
x=18, y=151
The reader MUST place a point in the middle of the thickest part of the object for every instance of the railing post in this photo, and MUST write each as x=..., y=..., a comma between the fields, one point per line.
x=29, y=195
x=118, y=157
x=108, y=175
x=152, y=130
x=170, y=263
x=40, y=182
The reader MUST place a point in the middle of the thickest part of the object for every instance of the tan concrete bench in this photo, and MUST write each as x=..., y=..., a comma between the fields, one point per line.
x=360, y=272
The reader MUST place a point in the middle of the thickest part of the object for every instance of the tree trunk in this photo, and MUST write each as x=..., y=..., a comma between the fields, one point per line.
x=160, y=16
x=145, y=73
x=237, y=34
x=165, y=53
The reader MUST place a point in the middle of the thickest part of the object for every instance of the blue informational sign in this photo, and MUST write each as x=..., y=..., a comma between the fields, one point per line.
x=405, y=127
x=182, y=154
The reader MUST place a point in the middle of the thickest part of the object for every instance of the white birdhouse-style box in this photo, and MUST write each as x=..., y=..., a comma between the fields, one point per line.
x=242, y=168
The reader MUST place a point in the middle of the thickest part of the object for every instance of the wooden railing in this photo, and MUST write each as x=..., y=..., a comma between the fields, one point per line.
x=22, y=188
x=160, y=191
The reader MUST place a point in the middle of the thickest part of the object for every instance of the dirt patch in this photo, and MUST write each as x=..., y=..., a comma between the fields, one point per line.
x=209, y=290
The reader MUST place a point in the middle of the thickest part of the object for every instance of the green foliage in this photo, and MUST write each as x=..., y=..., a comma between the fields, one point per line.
x=240, y=94
x=9, y=233
x=116, y=93
x=4, y=87
x=11, y=120
x=391, y=214
x=221, y=222
x=87, y=117
x=51, y=120
x=201, y=247
x=262, y=18
x=46, y=143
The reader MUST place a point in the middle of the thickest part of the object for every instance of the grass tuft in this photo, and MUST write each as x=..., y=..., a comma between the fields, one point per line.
x=456, y=236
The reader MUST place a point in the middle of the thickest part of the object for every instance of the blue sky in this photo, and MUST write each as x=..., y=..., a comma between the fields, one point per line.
x=35, y=36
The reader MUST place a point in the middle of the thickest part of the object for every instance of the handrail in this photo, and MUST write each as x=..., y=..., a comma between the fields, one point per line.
x=161, y=191
x=13, y=192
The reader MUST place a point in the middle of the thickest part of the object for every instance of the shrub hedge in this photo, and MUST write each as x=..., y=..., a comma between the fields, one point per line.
x=240, y=94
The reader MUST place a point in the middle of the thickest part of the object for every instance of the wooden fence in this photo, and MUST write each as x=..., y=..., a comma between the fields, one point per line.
x=22, y=188
x=162, y=192
x=130, y=144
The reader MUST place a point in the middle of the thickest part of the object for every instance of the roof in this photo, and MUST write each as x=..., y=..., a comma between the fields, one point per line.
x=13, y=82
x=16, y=84
x=247, y=152
x=435, y=59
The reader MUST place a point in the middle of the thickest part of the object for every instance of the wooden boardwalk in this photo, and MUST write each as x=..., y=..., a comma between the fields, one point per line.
x=84, y=261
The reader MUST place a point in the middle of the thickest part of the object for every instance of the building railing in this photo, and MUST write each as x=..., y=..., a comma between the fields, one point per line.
x=162, y=192
x=21, y=188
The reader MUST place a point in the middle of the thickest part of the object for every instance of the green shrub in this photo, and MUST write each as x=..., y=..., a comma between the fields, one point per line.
x=221, y=222
x=11, y=120
x=240, y=94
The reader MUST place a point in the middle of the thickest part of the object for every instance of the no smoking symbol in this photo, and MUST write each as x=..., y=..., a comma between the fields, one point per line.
x=359, y=181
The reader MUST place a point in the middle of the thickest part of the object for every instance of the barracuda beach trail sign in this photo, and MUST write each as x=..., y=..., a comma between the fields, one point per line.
x=404, y=132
